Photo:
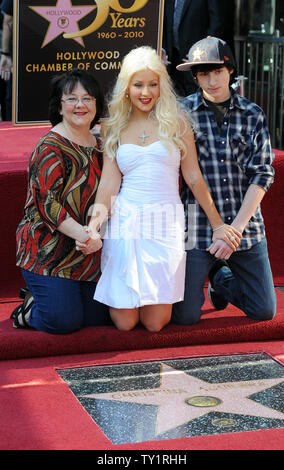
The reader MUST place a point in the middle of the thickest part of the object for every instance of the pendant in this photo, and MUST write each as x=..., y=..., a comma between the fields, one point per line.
x=144, y=136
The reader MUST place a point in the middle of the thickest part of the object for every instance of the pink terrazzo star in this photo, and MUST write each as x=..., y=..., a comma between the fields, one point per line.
x=182, y=398
x=63, y=18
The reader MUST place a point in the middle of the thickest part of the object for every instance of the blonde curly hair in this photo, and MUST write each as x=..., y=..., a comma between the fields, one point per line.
x=167, y=110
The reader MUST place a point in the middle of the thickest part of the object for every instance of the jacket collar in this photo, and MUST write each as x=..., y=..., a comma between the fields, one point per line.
x=236, y=100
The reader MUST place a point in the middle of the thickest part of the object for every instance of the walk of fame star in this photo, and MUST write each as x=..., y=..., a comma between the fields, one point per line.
x=181, y=398
x=63, y=18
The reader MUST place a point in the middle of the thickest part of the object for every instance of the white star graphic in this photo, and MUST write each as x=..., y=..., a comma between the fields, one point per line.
x=197, y=54
x=182, y=398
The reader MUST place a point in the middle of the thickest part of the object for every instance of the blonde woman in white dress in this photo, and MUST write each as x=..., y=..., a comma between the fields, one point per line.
x=147, y=139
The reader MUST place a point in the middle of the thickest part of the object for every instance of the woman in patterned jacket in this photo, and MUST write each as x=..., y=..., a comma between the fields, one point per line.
x=63, y=176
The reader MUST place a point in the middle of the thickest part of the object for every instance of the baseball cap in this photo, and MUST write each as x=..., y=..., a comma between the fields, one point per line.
x=209, y=50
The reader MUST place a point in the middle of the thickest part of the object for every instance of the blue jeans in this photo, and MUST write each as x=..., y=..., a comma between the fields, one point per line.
x=248, y=284
x=63, y=305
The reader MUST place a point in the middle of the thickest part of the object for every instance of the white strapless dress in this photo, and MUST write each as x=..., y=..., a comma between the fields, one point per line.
x=143, y=256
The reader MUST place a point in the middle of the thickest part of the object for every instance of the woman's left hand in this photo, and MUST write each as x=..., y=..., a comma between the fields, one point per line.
x=220, y=249
x=93, y=245
x=229, y=234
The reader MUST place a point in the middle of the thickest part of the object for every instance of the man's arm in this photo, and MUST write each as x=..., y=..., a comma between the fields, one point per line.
x=252, y=199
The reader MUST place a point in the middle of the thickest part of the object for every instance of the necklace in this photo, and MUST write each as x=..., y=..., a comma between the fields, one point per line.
x=144, y=136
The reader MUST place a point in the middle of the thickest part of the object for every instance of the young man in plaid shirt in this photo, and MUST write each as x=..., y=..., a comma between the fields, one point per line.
x=235, y=157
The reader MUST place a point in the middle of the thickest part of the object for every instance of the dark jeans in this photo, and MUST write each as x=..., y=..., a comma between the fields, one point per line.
x=62, y=305
x=6, y=99
x=248, y=284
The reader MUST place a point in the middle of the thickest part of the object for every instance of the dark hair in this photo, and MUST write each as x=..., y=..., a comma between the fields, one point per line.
x=66, y=83
x=209, y=67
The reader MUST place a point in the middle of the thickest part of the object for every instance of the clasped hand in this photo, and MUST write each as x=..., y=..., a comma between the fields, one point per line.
x=224, y=242
x=92, y=245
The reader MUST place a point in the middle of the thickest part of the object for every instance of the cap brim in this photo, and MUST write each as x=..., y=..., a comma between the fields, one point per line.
x=188, y=65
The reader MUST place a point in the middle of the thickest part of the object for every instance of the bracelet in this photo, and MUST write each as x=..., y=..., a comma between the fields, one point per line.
x=217, y=228
x=5, y=53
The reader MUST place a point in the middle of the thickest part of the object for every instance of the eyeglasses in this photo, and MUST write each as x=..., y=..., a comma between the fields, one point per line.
x=72, y=101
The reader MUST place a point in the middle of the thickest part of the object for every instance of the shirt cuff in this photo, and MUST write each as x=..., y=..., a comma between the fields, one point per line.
x=262, y=181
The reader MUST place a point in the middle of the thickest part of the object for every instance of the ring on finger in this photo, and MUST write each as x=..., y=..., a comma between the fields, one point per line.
x=232, y=238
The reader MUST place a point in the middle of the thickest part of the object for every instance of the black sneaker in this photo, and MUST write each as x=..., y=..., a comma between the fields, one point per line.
x=218, y=301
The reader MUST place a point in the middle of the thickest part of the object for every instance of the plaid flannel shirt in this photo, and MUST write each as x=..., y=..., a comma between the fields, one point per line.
x=231, y=160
